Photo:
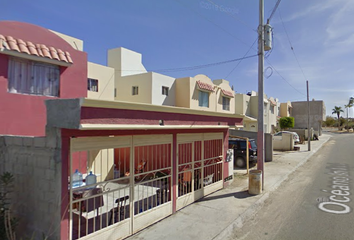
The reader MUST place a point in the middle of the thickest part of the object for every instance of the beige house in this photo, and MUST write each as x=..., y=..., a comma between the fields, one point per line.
x=247, y=106
x=100, y=82
x=126, y=79
x=285, y=109
x=243, y=107
x=201, y=93
x=133, y=83
x=273, y=113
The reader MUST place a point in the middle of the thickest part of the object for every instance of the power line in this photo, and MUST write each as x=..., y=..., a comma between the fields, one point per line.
x=106, y=85
x=291, y=46
x=180, y=69
x=204, y=65
x=284, y=78
x=274, y=9
x=241, y=60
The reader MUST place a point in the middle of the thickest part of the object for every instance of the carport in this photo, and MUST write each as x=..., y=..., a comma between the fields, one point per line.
x=150, y=161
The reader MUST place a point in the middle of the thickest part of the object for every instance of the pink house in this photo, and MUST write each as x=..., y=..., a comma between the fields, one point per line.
x=148, y=161
x=35, y=65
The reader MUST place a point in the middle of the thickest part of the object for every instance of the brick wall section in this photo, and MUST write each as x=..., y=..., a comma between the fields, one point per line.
x=35, y=163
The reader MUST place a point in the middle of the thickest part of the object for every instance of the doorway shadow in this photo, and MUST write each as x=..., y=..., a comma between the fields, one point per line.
x=238, y=195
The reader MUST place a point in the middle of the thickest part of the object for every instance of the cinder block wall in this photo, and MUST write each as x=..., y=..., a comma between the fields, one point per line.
x=317, y=115
x=35, y=163
x=286, y=143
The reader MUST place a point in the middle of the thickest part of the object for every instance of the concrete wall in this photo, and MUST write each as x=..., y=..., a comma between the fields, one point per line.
x=129, y=72
x=250, y=125
x=253, y=106
x=159, y=81
x=105, y=77
x=242, y=102
x=184, y=85
x=254, y=112
x=317, y=114
x=243, y=107
x=285, y=143
x=126, y=62
x=268, y=141
x=273, y=113
x=35, y=163
x=124, y=88
x=303, y=133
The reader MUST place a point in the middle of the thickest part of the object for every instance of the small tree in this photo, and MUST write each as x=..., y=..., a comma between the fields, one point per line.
x=330, y=121
x=7, y=223
x=286, y=122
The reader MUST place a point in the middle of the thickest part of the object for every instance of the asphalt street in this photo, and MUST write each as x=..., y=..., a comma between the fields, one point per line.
x=316, y=202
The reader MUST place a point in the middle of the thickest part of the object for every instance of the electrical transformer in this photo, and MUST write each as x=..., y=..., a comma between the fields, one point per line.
x=267, y=37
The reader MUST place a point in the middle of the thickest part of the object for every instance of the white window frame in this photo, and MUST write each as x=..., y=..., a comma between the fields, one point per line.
x=33, y=78
x=202, y=97
x=226, y=103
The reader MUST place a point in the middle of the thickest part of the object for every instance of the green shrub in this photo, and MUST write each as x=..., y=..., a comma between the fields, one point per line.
x=286, y=122
x=7, y=223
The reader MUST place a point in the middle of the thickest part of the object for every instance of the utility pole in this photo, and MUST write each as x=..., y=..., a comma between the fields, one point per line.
x=308, y=118
x=260, y=134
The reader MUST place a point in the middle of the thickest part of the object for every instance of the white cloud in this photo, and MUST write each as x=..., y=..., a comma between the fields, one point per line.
x=340, y=22
x=319, y=7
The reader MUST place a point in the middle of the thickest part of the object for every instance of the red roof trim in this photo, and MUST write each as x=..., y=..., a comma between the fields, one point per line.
x=205, y=86
x=272, y=102
x=227, y=93
x=39, y=50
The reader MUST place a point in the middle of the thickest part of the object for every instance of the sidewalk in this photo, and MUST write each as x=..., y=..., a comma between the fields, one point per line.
x=216, y=215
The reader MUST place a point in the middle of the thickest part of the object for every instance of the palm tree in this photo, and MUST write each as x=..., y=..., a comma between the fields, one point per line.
x=337, y=110
x=351, y=102
x=348, y=106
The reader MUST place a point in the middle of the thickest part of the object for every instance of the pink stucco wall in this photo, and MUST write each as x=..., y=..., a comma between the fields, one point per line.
x=26, y=114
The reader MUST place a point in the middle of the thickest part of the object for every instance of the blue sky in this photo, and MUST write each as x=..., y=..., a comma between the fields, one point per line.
x=184, y=33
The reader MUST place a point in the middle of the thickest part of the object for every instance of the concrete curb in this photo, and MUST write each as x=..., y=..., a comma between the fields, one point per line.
x=286, y=176
x=238, y=222
x=255, y=207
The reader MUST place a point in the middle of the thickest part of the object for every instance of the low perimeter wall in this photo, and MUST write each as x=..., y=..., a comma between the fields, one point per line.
x=284, y=143
x=35, y=163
